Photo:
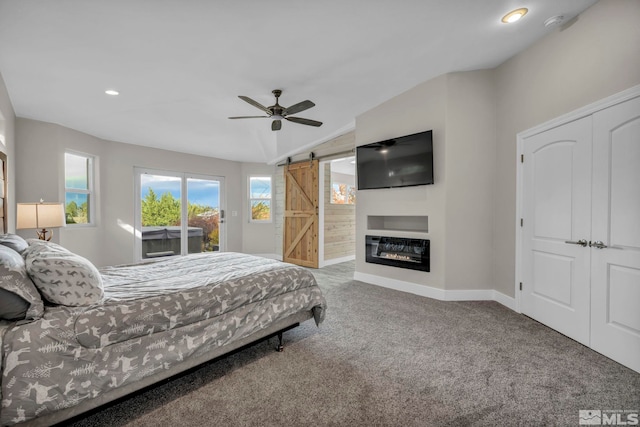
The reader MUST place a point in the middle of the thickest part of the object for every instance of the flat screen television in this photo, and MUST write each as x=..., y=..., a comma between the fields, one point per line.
x=397, y=162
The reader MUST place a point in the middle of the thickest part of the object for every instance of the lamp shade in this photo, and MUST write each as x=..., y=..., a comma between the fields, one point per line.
x=40, y=215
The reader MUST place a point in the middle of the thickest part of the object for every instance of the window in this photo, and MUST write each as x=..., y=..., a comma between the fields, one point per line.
x=343, y=194
x=260, y=198
x=343, y=181
x=178, y=213
x=79, y=193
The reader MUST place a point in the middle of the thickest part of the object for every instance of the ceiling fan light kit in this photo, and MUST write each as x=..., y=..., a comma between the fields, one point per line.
x=278, y=113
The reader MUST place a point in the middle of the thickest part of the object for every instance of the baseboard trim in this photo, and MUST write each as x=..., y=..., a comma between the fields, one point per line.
x=333, y=261
x=401, y=285
x=507, y=301
x=435, y=293
x=469, y=295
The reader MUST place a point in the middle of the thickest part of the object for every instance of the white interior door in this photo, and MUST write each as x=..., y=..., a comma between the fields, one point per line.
x=615, y=265
x=557, y=216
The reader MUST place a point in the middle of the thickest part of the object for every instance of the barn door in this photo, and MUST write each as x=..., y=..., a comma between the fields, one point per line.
x=300, y=244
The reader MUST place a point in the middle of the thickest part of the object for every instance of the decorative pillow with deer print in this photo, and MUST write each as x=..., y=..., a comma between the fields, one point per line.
x=61, y=276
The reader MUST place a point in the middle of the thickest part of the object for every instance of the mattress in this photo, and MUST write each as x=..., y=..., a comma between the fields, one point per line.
x=154, y=316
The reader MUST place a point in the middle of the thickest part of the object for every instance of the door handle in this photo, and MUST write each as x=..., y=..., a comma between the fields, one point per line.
x=580, y=242
x=598, y=245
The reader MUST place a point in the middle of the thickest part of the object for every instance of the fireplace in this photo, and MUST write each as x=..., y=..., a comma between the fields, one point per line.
x=398, y=252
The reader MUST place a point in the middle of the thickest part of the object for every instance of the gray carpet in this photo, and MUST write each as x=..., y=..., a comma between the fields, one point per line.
x=387, y=358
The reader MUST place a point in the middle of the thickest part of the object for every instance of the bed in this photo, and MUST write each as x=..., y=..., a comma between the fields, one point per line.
x=98, y=335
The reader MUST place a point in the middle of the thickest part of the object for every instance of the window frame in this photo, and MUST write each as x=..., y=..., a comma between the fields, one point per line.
x=184, y=177
x=92, y=198
x=346, y=196
x=252, y=199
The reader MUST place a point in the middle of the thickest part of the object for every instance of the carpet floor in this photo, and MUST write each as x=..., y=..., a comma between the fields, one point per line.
x=387, y=358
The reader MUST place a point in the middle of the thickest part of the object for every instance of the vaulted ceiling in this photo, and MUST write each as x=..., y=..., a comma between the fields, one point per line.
x=180, y=65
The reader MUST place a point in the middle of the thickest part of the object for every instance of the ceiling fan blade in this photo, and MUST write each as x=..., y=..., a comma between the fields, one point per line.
x=302, y=121
x=254, y=103
x=300, y=106
x=249, y=117
x=276, y=125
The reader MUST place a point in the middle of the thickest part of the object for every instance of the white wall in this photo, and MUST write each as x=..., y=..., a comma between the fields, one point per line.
x=460, y=109
x=593, y=57
x=596, y=56
x=8, y=117
x=475, y=117
x=419, y=109
x=470, y=162
x=257, y=238
x=342, y=178
x=40, y=174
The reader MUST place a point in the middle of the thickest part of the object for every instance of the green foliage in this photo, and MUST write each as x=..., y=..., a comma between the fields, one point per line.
x=72, y=209
x=160, y=211
x=75, y=214
x=260, y=211
x=83, y=212
x=166, y=211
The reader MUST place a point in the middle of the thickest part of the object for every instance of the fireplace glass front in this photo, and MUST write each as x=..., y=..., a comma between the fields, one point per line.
x=398, y=252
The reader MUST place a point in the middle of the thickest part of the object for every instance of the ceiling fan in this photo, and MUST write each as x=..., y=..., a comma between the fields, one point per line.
x=277, y=112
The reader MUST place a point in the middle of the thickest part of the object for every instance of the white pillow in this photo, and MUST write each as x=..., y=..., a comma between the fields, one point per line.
x=61, y=276
x=14, y=242
x=19, y=297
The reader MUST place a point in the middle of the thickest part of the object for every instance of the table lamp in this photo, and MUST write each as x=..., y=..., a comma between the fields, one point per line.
x=40, y=216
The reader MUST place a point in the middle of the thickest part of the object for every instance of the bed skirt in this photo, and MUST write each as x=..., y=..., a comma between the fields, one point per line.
x=117, y=393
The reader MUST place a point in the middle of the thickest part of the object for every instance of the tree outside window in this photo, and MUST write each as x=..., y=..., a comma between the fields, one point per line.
x=78, y=188
x=260, y=196
x=343, y=181
x=343, y=194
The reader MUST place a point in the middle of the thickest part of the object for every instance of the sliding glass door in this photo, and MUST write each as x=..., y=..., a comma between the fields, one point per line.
x=178, y=213
x=203, y=214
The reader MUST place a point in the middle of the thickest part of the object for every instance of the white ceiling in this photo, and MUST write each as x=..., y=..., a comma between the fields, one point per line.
x=180, y=64
x=345, y=165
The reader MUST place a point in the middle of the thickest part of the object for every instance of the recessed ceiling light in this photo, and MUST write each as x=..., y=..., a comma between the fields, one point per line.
x=514, y=15
x=112, y=92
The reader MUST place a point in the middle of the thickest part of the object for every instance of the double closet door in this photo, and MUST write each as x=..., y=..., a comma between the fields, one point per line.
x=581, y=230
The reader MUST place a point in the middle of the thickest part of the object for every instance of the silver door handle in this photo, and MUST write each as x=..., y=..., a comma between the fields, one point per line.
x=598, y=245
x=580, y=242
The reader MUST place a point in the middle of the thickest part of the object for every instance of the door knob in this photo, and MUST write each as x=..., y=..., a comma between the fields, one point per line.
x=598, y=244
x=581, y=242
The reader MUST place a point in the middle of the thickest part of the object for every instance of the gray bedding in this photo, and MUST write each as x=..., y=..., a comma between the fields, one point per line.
x=154, y=316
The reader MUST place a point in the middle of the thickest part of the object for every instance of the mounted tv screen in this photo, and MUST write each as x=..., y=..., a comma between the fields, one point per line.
x=398, y=162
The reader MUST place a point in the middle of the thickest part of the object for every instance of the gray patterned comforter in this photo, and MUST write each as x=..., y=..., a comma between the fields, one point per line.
x=153, y=316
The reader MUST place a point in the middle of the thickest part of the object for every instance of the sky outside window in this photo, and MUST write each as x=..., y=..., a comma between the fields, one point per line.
x=260, y=188
x=76, y=173
x=201, y=192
